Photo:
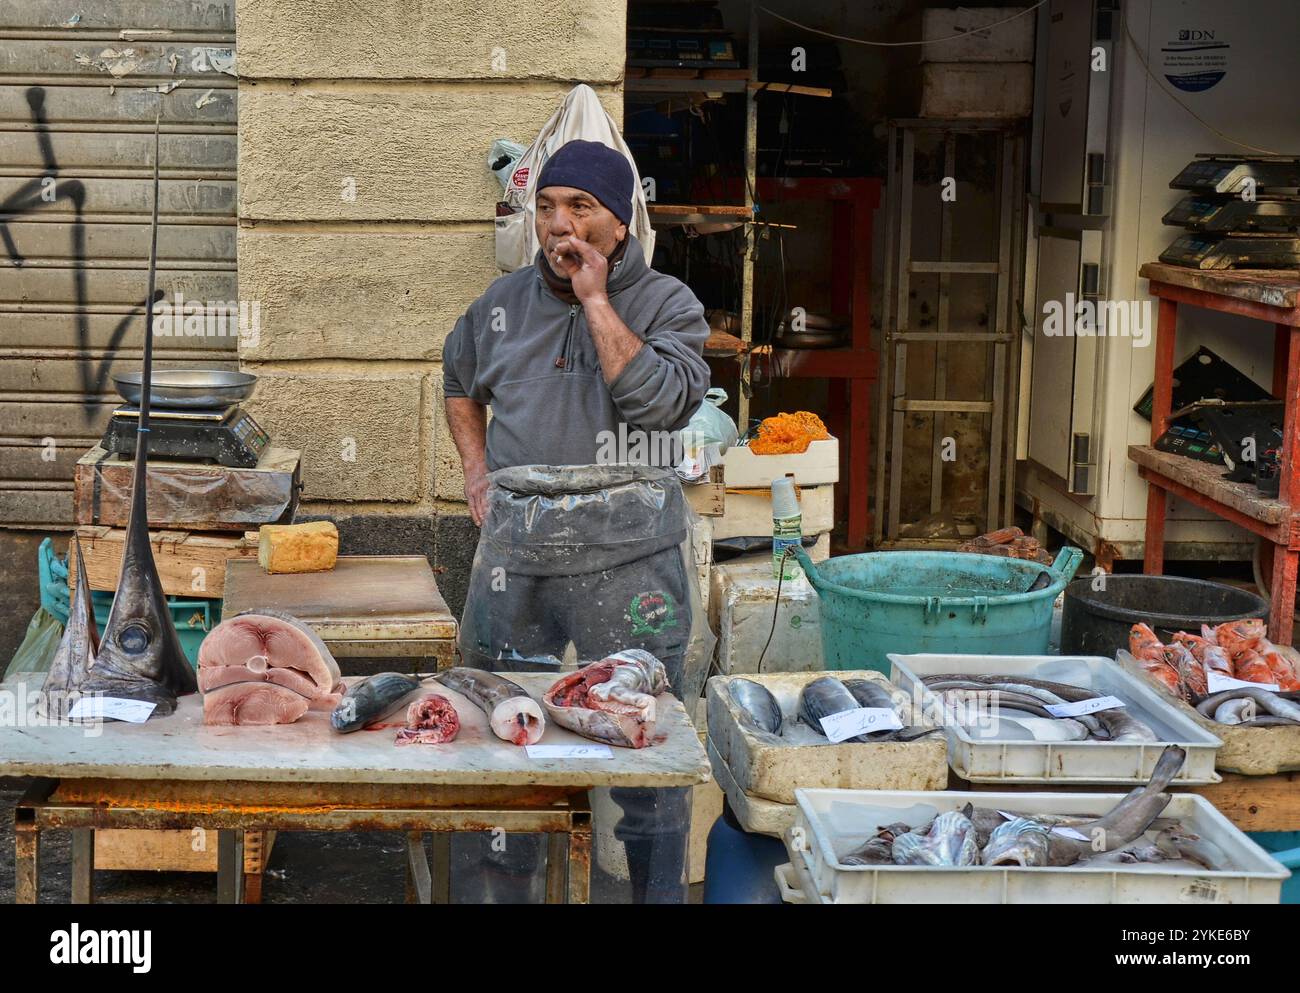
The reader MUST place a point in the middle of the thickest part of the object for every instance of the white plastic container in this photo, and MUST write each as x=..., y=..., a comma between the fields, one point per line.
x=831, y=823
x=991, y=760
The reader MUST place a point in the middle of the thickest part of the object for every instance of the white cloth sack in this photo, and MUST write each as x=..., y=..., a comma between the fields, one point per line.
x=580, y=116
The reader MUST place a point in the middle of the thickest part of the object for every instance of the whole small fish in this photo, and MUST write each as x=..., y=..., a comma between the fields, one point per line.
x=1127, y=821
x=1178, y=842
x=1019, y=841
x=757, y=706
x=1264, y=700
x=513, y=715
x=371, y=700
x=949, y=840
x=878, y=849
x=823, y=697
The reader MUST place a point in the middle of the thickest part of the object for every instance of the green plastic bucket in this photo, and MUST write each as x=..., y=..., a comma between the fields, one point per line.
x=933, y=602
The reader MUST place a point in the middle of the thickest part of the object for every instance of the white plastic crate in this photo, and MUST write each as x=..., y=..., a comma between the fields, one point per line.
x=991, y=760
x=831, y=823
x=819, y=464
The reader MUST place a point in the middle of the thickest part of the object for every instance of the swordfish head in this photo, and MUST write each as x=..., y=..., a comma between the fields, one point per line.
x=76, y=652
x=141, y=656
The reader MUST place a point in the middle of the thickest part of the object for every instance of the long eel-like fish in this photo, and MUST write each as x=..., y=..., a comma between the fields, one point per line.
x=513, y=714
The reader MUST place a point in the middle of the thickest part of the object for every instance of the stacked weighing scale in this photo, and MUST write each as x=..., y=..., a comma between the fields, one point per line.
x=1240, y=212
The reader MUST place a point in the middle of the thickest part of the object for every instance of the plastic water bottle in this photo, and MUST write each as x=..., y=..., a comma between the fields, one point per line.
x=787, y=529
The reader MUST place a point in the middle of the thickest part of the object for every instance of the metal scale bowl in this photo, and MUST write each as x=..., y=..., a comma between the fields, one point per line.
x=194, y=414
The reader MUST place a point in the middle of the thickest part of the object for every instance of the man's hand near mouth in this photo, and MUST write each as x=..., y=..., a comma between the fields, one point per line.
x=588, y=270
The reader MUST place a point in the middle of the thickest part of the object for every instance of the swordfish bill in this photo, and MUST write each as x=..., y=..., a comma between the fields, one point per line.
x=140, y=655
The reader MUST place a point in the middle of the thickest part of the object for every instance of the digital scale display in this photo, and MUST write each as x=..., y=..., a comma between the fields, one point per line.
x=228, y=437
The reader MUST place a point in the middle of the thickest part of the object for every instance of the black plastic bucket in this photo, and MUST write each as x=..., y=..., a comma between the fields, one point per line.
x=1097, y=622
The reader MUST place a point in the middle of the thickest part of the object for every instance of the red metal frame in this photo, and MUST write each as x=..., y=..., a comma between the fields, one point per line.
x=855, y=368
x=1285, y=537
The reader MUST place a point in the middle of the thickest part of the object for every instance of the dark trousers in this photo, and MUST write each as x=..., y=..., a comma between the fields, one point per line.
x=512, y=621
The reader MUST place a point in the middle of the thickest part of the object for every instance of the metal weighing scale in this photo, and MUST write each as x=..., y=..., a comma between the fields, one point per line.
x=193, y=414
x=1248, y=251
x=228, y=436
x=1222, y=214
x=1228, y=173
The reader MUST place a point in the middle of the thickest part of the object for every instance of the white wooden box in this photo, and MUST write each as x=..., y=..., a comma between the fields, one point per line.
x=819, y=464
x=749, y=512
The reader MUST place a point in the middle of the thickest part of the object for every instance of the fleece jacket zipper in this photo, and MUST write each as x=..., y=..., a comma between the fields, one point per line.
x=563, y=361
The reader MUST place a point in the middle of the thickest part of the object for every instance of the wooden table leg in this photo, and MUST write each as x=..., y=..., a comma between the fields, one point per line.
x=83, y=865
x=1281, y=616
x=1153, y=558
x=27, y=856
x=419, y=882
x=580, y=858
x=1286, y=383
x=556, y=867
x=230, y=866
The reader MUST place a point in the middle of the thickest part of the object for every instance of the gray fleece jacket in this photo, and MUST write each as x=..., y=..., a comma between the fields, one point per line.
x=503, y=352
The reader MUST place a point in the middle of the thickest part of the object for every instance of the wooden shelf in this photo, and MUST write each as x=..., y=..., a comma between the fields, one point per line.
x=658, y=84
x=1207, y=480
x=722, y=345
x=1270, y=287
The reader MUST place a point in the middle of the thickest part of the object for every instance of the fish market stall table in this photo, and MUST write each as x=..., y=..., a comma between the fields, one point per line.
x=175, y=772
x=367, y=606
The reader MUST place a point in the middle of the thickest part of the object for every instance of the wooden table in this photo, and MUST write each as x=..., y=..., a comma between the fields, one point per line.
x=1272, y=297
x=367, y=606
x=177, y=773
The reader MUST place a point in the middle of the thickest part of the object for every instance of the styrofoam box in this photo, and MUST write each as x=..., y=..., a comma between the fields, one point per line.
x=819, y=464
x=989, y=760
x=774, y=770
x=750, y=512
x=756, y=815
x=975, y=90
x=742, y=600
x=1009, y=42
x=1248, y=751
x=831, y=823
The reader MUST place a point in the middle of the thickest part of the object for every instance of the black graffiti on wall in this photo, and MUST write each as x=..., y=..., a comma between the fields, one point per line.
x=31, y=197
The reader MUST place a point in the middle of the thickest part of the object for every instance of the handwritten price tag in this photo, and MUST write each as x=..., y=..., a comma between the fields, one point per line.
x=110, y=708
x=569, y=751
x=1216, y=682
x=1083, y=706
x=851, y=723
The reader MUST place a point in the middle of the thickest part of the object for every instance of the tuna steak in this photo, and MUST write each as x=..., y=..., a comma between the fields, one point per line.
x=140, y=656
x=245, y=654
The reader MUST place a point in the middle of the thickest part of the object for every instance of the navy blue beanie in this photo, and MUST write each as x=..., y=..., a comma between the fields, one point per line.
x=596, y=168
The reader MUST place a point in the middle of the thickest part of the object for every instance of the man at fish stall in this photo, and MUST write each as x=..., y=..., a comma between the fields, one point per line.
x=588, y=345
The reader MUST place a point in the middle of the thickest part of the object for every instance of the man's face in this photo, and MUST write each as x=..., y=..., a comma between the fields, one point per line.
x=563, y=212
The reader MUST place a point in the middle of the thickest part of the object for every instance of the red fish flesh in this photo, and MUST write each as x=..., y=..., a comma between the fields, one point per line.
x=612, y=700
x=430, y=720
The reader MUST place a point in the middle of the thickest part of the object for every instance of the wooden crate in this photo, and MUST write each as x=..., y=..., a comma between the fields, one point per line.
x=189, y=495
x=708, y=499
x=175, y=851
x=177, y=554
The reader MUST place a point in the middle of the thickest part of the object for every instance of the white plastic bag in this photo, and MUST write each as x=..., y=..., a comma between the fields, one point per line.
x=708, y=434
x=580, y=116
x=507, y=153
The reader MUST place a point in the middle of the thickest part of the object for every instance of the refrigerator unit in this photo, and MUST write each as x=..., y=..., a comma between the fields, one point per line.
x=1119, y=87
